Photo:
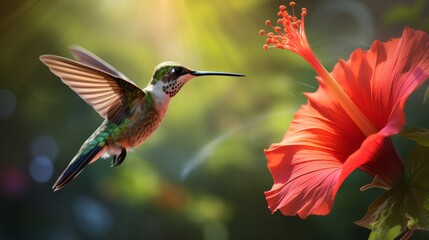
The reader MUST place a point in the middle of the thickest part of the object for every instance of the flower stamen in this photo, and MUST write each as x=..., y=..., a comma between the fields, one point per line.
x=290, y=35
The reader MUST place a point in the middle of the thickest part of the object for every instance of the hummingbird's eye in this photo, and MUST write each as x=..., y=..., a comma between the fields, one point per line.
x=177, y=70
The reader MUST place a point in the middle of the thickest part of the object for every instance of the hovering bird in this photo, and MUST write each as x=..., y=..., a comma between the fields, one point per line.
x=131, y=114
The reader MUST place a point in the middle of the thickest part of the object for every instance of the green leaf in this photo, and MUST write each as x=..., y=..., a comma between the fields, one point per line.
x=376, y=183
x=385, y=216
x=419, y=135
x=417, y=178
x=404, y=206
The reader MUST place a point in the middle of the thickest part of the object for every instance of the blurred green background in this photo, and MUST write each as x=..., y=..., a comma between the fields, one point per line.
x=203, y=173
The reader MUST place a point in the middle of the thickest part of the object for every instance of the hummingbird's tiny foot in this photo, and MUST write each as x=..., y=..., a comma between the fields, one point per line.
x=113, y=161
x=118, y=159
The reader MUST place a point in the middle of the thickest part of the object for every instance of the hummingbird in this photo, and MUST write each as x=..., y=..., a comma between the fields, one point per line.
x=131, y=114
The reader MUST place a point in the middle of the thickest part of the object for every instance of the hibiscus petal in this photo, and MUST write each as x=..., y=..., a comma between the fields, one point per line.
x=307, y=178
x=380, y=80
x=377, y=157
x=307, y=164
x=323, y=145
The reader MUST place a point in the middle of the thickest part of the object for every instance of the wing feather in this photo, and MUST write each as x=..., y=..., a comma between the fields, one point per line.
x=86, y=57
x=108, y=94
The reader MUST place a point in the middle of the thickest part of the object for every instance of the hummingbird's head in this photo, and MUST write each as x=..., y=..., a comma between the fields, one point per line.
x=171, y=76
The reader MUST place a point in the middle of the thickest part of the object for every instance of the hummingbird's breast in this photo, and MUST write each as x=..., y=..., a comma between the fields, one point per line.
x=143, y=127
x=144, y=120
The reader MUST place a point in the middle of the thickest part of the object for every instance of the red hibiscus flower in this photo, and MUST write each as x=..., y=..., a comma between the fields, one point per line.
x=347, y=122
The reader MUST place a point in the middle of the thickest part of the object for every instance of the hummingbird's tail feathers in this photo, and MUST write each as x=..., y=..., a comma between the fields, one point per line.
x=77, y=165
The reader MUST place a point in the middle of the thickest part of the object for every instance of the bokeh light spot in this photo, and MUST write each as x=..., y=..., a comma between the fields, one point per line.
x=7, y=103
x=215, y=231
x=14, y=181
x=92, y=217
x=41, y=169
x=44, y=146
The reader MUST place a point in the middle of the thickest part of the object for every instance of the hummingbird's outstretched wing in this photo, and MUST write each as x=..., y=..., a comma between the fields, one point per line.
x=86, y=57
x=110, y=95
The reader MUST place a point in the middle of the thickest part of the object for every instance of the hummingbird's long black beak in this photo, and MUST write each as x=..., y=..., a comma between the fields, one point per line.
x=206, y=73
